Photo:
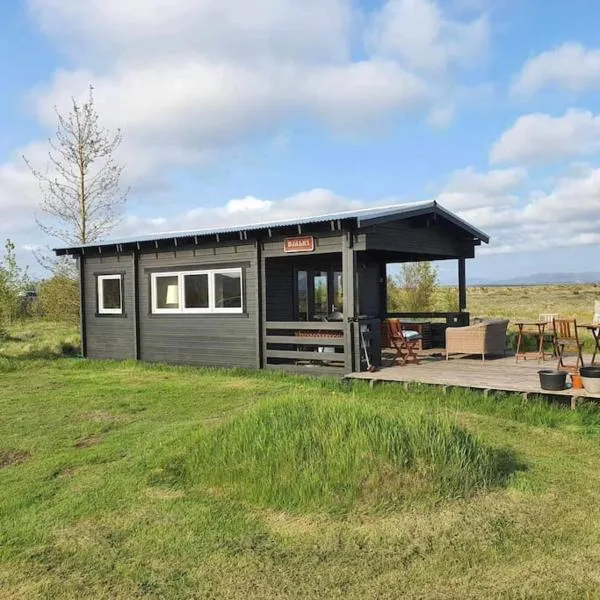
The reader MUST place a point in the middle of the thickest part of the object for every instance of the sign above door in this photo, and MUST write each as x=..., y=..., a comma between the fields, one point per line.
x=299, y=244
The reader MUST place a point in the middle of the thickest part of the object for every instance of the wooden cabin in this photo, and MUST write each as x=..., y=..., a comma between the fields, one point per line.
x=307, y=295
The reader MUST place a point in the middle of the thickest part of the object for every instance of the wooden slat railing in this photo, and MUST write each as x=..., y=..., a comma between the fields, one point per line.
x=307, y=347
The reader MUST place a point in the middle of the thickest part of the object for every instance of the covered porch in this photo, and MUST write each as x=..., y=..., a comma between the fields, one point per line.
x=324, y=300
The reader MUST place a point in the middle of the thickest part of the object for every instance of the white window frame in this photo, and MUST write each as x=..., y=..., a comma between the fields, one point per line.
x=212, y=308
x=100, y=291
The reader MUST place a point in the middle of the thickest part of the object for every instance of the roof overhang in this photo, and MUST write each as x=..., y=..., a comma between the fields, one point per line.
x=353, y=220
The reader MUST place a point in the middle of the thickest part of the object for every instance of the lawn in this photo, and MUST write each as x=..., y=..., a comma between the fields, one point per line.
x=124, y=480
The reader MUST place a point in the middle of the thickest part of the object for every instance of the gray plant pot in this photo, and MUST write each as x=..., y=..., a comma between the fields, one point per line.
x=552, y=380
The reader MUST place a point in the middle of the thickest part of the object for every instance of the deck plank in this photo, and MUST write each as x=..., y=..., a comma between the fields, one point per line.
x=494, y=375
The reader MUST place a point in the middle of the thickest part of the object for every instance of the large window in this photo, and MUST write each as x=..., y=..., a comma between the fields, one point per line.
x=214, y=291
x=110, y=295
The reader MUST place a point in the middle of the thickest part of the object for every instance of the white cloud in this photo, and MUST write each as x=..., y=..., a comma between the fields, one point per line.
x=244, y=211
x=420, y=34
x=573, y=206
x=100, y=30
x=186, y=113
x=19, y=197
x=538, y=138
x=189, y=81
x=498, y=202
x=360, y=92
x=441, y=116
x=517, y=219
x=570, y=67
x=469, y=190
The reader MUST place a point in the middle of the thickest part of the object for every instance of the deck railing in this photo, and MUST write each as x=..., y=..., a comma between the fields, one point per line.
x=304, y=346
x=453, y=319
x=329, y=347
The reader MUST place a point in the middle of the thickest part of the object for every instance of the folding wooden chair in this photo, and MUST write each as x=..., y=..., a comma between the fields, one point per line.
x=405, y=342
x=548, y=318
x=566, y=338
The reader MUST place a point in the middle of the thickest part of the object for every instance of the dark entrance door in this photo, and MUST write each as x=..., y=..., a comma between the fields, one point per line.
x=319, y=293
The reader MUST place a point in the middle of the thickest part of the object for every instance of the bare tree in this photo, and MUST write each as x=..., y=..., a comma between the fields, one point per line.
x=81, y=194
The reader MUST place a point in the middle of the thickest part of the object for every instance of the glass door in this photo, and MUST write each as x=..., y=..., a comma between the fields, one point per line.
x=302, y=302
x=337, y=301
x=320, y=304
x=319, y=294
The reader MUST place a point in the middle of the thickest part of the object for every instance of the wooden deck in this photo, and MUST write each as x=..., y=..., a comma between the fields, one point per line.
x=492, y=375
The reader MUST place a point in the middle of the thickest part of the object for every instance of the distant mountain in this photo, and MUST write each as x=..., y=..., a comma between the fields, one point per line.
x=544, y=278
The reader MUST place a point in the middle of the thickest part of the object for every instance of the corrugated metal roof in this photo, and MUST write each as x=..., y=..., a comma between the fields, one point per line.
x=363, y=216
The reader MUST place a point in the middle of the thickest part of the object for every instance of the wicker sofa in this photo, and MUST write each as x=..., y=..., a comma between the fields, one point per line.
x=486, y=337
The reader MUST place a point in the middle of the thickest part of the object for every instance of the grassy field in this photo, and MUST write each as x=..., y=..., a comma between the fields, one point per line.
x=528, y=302
x=123, y=480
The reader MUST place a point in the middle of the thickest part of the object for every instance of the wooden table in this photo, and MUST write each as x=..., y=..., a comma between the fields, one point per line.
x=594, y=329
x=527, y=328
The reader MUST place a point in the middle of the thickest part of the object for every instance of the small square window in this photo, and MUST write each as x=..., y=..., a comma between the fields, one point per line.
x=110, y=295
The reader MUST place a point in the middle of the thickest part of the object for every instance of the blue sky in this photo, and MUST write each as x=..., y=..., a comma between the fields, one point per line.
x=240, y=110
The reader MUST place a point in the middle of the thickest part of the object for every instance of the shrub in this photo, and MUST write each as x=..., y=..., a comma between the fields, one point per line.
x=414, y=288
x=328, y=455
x=14, y=281
x=448, y=299
x=58, y=299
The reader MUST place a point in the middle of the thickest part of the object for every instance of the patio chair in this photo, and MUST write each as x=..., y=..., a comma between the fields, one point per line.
x=548, y=318
x=405, y=342
x=567, y=339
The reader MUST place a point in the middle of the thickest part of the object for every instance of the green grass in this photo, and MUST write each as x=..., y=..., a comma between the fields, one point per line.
x=35, y=338
x=90, y=509
x=305, y=454
x=121, y=480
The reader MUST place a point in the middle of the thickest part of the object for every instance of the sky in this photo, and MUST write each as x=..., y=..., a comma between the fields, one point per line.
x=236, y=111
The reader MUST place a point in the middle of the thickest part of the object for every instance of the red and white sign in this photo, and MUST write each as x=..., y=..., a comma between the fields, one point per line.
x=299, y=244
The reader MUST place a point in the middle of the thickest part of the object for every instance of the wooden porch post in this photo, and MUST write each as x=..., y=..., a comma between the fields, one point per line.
x=462, y=285
x=261, y=267
x=383, y=290
x=137, y=348
x=349, y=286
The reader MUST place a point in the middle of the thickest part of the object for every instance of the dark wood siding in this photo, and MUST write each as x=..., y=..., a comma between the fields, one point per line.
x=403, y=237
x=280, y=290
x=220, y=340
x=109, y=336
x=324, y=244
x=369, y=289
